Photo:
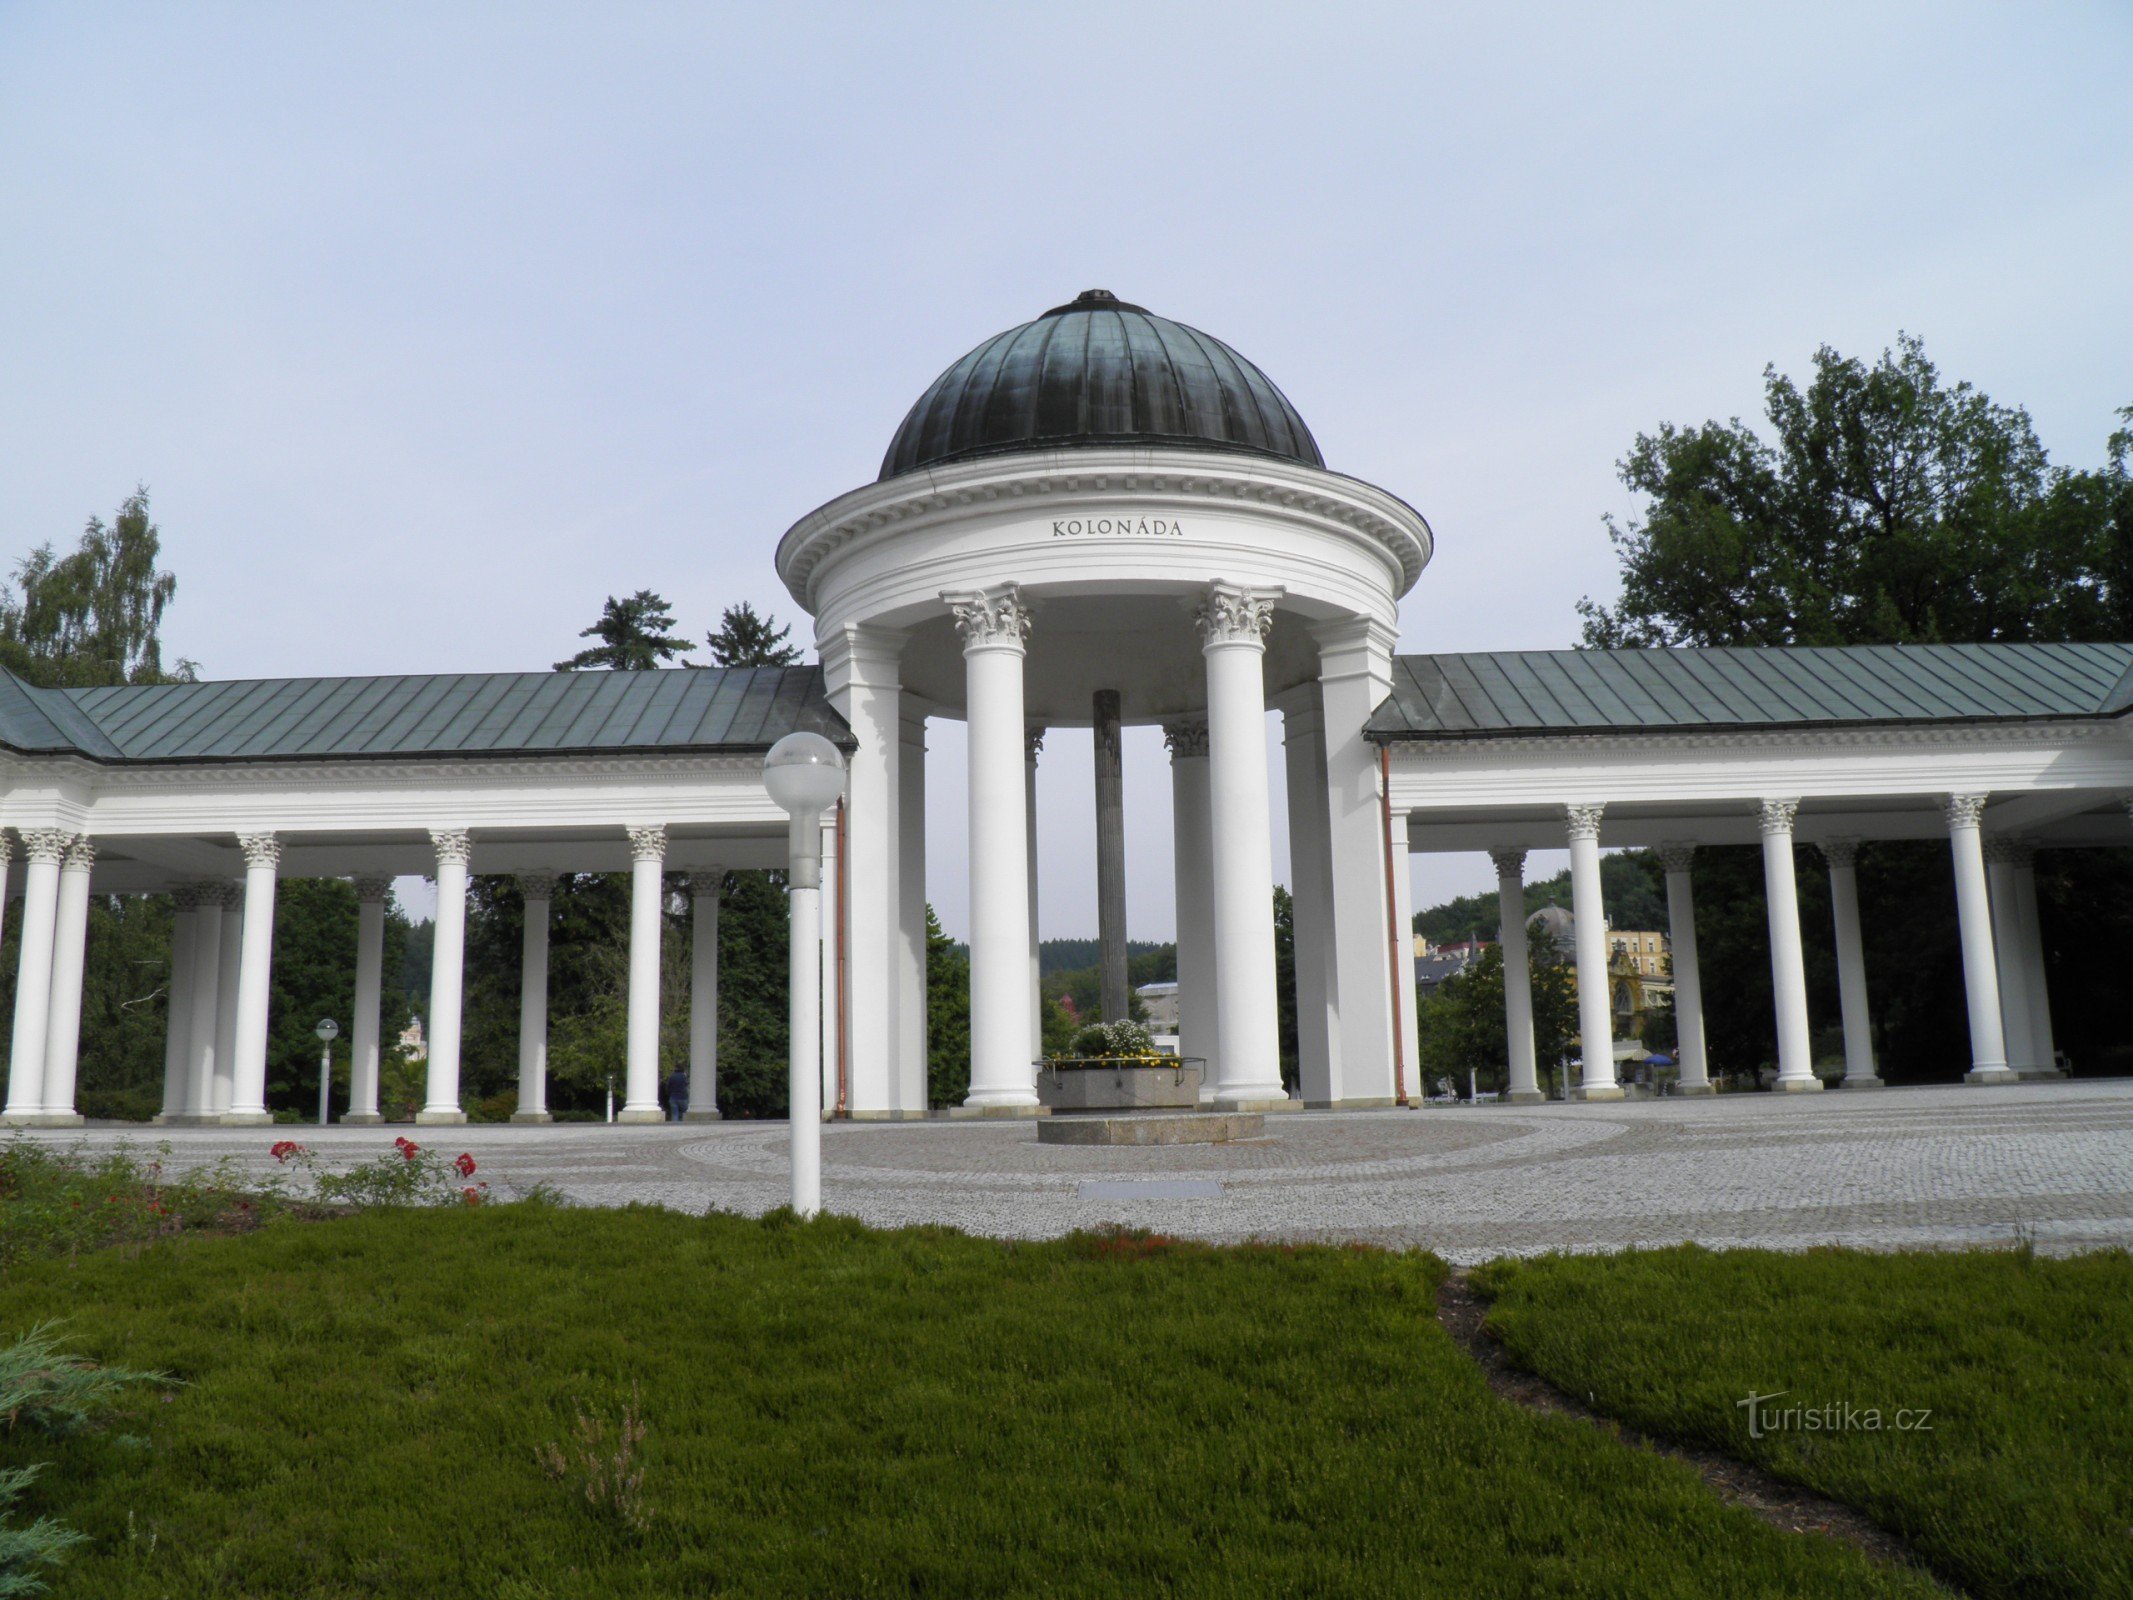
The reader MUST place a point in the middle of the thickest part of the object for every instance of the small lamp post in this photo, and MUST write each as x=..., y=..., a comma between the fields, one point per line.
x=804, y=773
x=327, y=1030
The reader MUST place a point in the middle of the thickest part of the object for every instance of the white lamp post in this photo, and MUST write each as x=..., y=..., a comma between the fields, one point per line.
x=804, y=773
x=328, y=1030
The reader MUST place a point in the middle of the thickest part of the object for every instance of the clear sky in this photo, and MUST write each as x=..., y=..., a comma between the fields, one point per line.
x=429, y=326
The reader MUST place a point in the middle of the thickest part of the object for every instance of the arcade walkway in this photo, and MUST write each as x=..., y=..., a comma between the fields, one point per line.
x=1938, y=1166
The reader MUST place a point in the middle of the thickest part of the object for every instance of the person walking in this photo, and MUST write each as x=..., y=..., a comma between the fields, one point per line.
x=677, y=1095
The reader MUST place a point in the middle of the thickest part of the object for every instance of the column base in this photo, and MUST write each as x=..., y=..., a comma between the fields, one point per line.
x=41, y=1119
x=1246, y=1102
x=246, y=1119
x=1525, y=1097
x=535, y=1117
x=1359, y=1103
x=2039, y=1074
x=967, y=1111
x=701, y=1116
x=1992, y=1075
x=1704, y=1088
x=362, y=1119
x=1861, y=1080
x=893, y=1116
x=1599, y=1091
x=440, y=1118
x=1798, y=1086
x=190, y=1119
x=637, y=1116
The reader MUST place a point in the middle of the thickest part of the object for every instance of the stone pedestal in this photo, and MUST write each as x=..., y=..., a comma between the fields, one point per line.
x=1152, y=1127
x=1097, y=1086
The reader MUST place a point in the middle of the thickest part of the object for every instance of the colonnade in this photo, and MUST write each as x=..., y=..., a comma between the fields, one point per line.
x=215, y=1046
x=1225, y=916
x=1996, y=910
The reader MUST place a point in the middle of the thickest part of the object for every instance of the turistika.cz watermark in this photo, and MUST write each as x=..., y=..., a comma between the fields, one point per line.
x=1765, y=1417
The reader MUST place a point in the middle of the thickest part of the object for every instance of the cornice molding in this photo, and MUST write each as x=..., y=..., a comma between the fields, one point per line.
x=1038, y=479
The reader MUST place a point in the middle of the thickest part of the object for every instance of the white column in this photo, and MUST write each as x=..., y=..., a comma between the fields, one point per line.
x=831, y=910
x=1973, y=914
x=1319, y=1078
x=1354, y=679
x=993, y=624
x=200, y=1013
x=364, y=1052
x=1843, y=857
x=1034, y=743
x=1596, y=1035
x=2010, y=966
x=910, y=1071
x=1233, y=624
x=2043, y=1049
x=1408, y=1017
x=447, y=975
x=861, y=667
x=704, y=887
x=44, y=849
x=1194, y=879
x=228, y=966
x=178, y=1006
x=648, y=850
x=70, y=930
x=536, y=892
x=248, y=1080
x=1525, y=1089
x=1788, y=959
x=1679, y=861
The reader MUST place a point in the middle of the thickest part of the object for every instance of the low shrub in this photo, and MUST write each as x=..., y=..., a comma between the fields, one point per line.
x=1106, y=1040
x=59, y=1200
x=409, y=1174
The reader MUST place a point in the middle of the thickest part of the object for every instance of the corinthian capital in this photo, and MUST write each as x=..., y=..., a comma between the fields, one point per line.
x=989, y=618
x=81, y=854
x=455, y=847
x=648, y=843
x=1677, y=857
x=373, y=888
x=1841, y=853
x=1234, y=614
x=1186, y=739
x=1509, y=863
x=260, y=849
x=1775, y=816
x=48, y=845
x=1965, y=810
x=1583, y=822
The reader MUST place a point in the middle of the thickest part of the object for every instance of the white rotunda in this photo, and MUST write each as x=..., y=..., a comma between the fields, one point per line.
x=1105, y=517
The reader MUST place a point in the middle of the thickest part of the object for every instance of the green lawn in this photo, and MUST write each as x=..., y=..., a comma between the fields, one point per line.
x=2024, y=1484
x=835, y=1411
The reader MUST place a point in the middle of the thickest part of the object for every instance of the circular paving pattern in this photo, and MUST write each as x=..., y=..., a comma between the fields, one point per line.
x=1899, y=1167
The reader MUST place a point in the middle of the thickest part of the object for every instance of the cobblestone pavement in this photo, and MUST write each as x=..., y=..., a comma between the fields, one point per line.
x=1899, y=1167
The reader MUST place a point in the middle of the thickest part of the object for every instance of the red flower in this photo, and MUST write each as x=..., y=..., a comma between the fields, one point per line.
x=287, y=1148
x=472, y=1196
x=407, y=1147
x=464, y=1165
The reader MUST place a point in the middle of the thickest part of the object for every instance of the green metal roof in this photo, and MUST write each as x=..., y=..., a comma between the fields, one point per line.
x=486, y=714
x=1502, y=693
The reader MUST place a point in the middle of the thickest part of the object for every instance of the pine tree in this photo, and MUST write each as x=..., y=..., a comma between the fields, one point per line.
x=635, y=635
x=745, y=639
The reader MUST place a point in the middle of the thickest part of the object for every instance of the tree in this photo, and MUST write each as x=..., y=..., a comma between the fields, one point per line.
x=93, y=616
x=1285, y=988
x=635, y=635
x=947, y=1018
x=744, y=639
x=1890, y=508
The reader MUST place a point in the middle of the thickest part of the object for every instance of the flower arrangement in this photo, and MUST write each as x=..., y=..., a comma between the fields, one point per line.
x=1114, y=1041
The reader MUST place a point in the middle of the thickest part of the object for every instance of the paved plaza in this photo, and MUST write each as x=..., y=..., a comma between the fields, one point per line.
x=1898, y=1167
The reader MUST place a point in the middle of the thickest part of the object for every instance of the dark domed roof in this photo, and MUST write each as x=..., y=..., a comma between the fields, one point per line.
x=1098, y=372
